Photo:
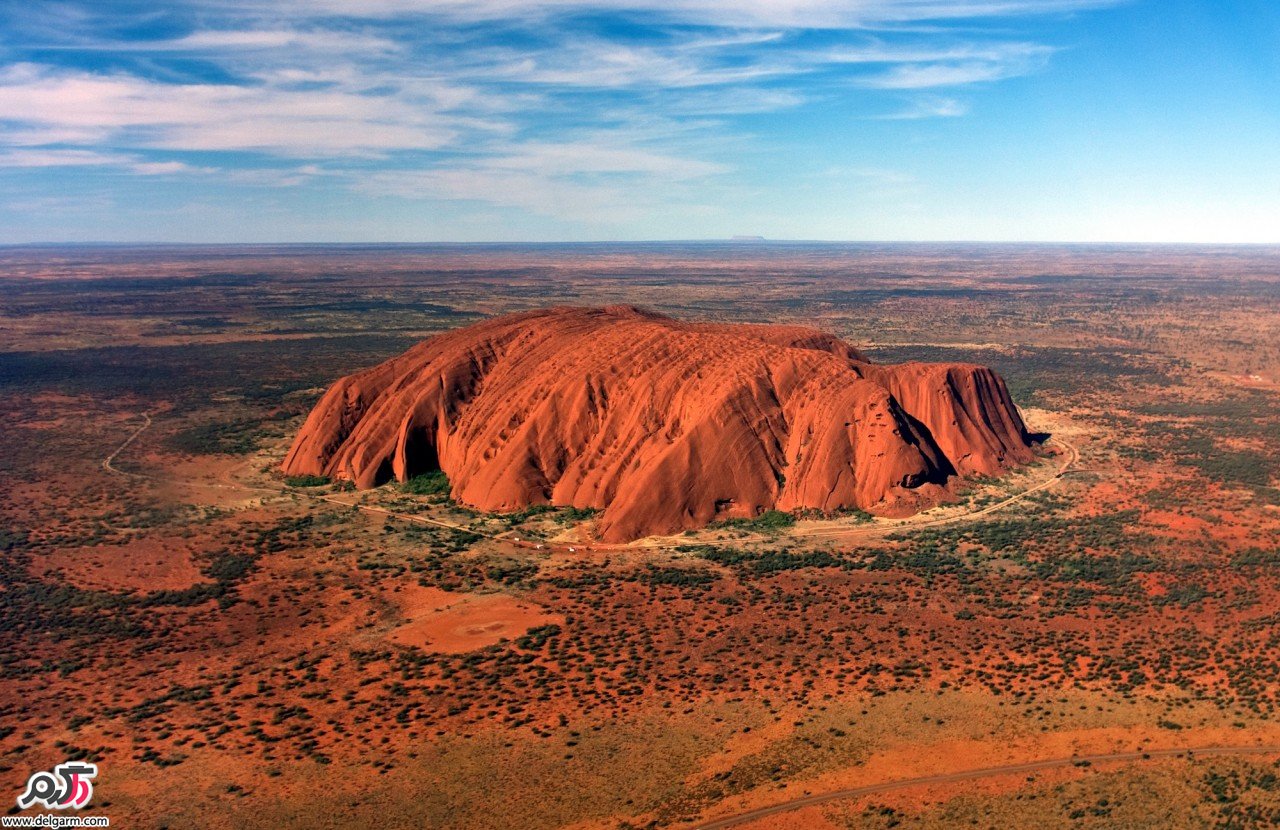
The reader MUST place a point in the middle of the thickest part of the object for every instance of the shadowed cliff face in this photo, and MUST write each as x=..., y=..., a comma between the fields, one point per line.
x=662, y=425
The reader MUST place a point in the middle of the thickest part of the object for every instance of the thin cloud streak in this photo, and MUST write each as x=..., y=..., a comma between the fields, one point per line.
x=191, y=117
x=930, y=107
x=833, y=14
x=501, y=102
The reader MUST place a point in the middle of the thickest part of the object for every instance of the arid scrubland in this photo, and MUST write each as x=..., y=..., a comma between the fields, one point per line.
x=214, y=634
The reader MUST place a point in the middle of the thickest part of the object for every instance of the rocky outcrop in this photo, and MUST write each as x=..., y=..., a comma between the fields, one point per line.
x=663, y=425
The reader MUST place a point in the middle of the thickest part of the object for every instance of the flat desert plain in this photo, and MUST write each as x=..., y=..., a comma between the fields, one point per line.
x=1088, y=639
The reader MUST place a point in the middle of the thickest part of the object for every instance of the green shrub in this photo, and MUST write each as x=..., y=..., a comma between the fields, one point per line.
x=766, y=521
x=526, y=514
x=234, y=438
x=856, y=513
x=230, y=567
x=677, y=576
x=536, y=638
x=306, y=481
x=569, y=515
x=435, y=483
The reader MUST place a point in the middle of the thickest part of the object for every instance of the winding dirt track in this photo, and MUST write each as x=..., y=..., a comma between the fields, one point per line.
x=1071, y=458
x=133, y=436
x=984, y=772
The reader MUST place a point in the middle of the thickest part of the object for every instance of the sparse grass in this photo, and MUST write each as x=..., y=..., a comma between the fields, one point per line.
x=306, y=481
x=238, y=437
x=770, y=521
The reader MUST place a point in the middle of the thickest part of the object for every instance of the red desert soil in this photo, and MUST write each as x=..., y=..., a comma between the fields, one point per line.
x=450, y=623
x=146, y=564
x=662, y=425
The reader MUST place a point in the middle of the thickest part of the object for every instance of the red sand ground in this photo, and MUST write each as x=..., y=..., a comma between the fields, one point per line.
x=449, y=623
x=144, y=564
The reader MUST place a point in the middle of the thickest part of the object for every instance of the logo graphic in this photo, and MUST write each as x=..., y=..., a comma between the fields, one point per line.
x=68, y=787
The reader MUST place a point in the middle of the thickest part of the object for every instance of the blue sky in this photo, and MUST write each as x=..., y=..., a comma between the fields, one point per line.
x=508, y=120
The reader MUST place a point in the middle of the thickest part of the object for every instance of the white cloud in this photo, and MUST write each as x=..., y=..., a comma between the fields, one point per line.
x=144, y=113
x=592, y=202
x=847, y=14
x=167, y=168
x=58, y=205
x=251, y=39
x=928, y=107
x=604, y=65
x=879, y=52
x=62, y=157
x=569, y=159
x=54, y=157
x=557, y=120
x=931, y=75
x=274, y=177
x=734, y=101
x=594, y=183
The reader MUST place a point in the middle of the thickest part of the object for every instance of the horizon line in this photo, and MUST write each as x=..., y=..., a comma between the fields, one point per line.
x=743, y=242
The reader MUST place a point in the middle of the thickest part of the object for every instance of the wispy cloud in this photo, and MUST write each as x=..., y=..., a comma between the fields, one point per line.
x=532, y=104
x=53, y=157
x=928, y=107
x=138, y=112
x=59, y=158
x=576, y=158
x=995, y=64
x=218, y=41
x=842, y=14
x=600, y=182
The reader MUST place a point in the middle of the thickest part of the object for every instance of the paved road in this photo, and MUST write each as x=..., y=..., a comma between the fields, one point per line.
x=985, y=772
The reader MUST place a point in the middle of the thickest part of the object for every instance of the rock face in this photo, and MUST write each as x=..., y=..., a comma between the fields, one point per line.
x=662, y=425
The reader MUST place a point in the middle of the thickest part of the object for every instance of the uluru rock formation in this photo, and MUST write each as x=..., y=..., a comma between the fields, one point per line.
x=663, y=425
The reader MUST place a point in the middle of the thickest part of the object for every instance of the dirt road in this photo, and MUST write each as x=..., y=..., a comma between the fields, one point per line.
x=133, y=436
x=985, y=772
